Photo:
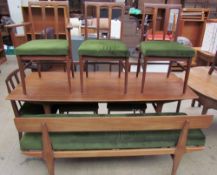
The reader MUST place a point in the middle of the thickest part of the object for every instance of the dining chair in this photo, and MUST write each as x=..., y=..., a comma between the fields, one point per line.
x=43, y=50
x=21, y=108
x=160, y=28
x=214, y=64
x=107, y=45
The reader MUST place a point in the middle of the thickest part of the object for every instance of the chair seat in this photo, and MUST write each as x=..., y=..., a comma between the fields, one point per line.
x=166, y=49
x=111, y=140
x=78, y=107
x=126, y=106
x=29, y=108
x=43, y=47
x=103, y=48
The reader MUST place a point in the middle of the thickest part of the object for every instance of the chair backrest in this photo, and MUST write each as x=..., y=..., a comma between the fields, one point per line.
x=12, y=80
x=111, y=124
x=104, y=20
x=163, y=20
x=47, y=15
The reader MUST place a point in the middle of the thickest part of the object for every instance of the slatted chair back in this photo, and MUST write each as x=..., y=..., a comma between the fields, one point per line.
x=12, y=80
x=102, y=124
x=47, y=8
x=164, y=16
x=104, y=24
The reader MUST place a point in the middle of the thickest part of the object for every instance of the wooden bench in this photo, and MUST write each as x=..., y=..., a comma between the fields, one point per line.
x=63, y=136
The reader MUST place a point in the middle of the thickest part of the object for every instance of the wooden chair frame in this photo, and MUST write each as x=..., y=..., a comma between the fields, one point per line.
x=47, y=125
x=214, y=64
x=167, y=8
x=84, y=59
x=67, y=59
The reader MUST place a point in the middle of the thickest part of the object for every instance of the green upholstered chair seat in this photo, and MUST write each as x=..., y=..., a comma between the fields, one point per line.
x=109, y=140
x=29, y=108
x=42, y=47
x=126, y=105
x=103, y=48
x=166, y=49
x=79, y=106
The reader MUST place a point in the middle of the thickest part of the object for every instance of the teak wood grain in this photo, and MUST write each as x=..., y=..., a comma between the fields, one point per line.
x=101, y=87
x=101, y=124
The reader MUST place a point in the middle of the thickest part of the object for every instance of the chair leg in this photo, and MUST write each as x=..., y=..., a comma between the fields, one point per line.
x=119, y=68
x=22, y=74
x=81, y=73
x=72, y=69
x=193, y=103
x=126, y=75
x=144, y=74
x=169, y=69
x=187, y=74
x=138, y=64
x=86, y=68
x=178, y=106
x=39, y=69
x=68, y=69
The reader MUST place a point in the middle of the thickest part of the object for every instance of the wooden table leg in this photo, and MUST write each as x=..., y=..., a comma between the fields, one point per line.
x=47, y=108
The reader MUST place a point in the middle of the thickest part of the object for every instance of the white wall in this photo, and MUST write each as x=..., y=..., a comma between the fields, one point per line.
x=16, y=12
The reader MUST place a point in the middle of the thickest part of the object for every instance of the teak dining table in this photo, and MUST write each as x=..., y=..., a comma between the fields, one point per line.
x=101, y=87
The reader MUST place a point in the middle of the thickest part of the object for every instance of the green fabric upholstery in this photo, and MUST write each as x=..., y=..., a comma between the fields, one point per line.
x=103, y=48
x=43, y=47
x=166, y=49
x=111, y=140
x=29, y=108
x=126, y=106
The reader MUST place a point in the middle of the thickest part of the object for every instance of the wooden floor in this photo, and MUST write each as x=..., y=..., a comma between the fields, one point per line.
x=101, y=87
x=202, y=82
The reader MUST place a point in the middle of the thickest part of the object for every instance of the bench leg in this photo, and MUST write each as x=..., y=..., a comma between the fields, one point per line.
x=68, y=70
x=126, y=75
x=138, y=65
x=180, y=148
x=47, y=152
x=169, y=69
x=144, y=74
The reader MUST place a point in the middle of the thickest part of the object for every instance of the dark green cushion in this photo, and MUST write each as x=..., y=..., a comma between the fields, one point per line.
x=43, y=47
x=103, y=48
x=126, y=106
x=29, y=108
x=109, y=140
x=166, y=49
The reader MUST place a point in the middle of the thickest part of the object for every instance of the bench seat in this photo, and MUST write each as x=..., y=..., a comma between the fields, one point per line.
x=111, y=140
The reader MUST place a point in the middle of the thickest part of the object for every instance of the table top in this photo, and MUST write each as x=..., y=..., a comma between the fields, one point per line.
x=101, y=87
x=202, y=82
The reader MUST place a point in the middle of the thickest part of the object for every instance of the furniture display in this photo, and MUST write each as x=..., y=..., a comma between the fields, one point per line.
x=39, y=50
x=167, y=90
x=205, y=86
x=107, y=49
x=162, y=50
x=73, y=136
x=192, y=26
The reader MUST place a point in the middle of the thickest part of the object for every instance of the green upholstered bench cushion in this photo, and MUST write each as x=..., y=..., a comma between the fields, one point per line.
x=29, y=108
x=103, y=48
x=166, y=49
x=111, y=140
x=43, y=47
